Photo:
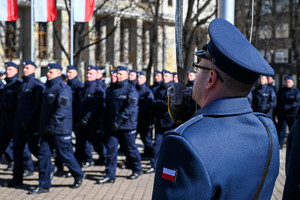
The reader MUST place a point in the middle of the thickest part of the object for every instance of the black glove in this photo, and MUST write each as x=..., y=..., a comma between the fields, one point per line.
x=25, y=126
x=83, y=123
x=47, y=131
x=181, y=106
x=114, y=127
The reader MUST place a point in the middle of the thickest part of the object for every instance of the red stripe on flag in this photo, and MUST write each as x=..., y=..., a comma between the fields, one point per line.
x=12, y=10
x=51, y=10
x=89, y=10
x=168, y=177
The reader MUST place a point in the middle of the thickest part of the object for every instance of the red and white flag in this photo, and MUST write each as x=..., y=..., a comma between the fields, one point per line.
x=8, y=10
x=169, y=174
x=83, y=10
x=45, y=10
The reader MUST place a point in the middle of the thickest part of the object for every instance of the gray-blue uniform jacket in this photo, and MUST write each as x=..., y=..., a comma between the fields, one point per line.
x=220, y=153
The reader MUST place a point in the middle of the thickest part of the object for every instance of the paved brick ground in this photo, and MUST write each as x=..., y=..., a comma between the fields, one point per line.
x=121, y=189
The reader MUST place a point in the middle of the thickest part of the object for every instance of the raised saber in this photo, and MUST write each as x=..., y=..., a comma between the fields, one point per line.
x=179, y=39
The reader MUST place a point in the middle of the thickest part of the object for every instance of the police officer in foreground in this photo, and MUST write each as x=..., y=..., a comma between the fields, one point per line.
x=8, y=108
x=90, y=115
x=288, y=101
x=27, y=118
x=145, y=119
x=222, y=152
x=292, y=164
x=55, y=130
x=122, y=113
x=264, y=97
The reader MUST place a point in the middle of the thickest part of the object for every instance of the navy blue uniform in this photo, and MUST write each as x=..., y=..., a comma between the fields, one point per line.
x=264, y=100
x=27, y=121
x=288, y=101
x=145, y=118
x=55, y=129
x=8, y=107
x=122, y=113
x=101, y=84
x=190, y=83
x=292, y=181
x=155, y=86
x=162, y=120
x=90, y=118
x=212, y=155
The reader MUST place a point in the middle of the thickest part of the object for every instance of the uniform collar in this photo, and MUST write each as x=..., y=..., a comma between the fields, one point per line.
x=140, y=86
x=89, y=83
x=227, y=106
x=53, y=81
x=14, y=78
x=167, y=85
x=28, y=78
x=72, y=81
x=122, y=83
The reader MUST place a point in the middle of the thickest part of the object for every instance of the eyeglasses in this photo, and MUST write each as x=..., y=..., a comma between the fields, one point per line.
x=196, y=69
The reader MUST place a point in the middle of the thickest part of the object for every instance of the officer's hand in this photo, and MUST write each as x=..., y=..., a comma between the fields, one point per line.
x=180, y=103
x=114, y=127
x=47, y=131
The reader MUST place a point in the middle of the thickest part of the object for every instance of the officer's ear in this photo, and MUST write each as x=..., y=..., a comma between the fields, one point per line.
x=212, y=79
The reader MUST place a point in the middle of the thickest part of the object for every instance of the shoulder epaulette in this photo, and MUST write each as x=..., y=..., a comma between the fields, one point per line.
x=179, y=130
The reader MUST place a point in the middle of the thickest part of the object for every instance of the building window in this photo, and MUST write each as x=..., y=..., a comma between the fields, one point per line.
x=282, y=31
x=282, y=6
x=170, y=3
x=265, y=32
x=42, y=40
x=11, y=40
x=266, y=7
x=281, y=55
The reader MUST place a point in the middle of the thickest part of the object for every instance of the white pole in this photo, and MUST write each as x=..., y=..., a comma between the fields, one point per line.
x=31, y=31
x=226, y=10
x=72, y=32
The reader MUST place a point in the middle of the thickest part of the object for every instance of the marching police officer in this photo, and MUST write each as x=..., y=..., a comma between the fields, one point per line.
x=191, y=78
x=55, y=129
x=27, y=118
x=90, y=115
x=162, y=120
x=122, y=110
x=113, y=77
x=132, y=78
x=175, y=77
x=264, y=97
x=157, y=81
x=8, y=107
x=100, y=81
x=225, y=151
x=145, y=119
x=288, y=101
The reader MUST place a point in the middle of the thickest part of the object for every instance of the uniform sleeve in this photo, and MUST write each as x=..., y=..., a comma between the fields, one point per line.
x=191, y=179
x=64, y=105
x=35, y=111
x=131, y=106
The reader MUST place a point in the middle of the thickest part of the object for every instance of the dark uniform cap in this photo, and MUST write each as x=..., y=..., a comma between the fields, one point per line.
x=140, y=73
x=120, y=68
x=232, y=53
x=29, y=62
x=288, y=78
x=2, y=72
x=166, y=72
x=69, y=67
x=11, y=64
x=90, y=67
x=191, y=71
x=132, y=71
x=113, y=71
x=174, y=73
x=54, y=66
x=157, y=72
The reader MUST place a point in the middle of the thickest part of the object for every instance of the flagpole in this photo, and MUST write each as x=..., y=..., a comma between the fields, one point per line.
x=72, y=32
x=31, y=31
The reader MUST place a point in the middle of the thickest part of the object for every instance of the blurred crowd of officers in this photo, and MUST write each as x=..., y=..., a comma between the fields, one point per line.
x=281, y=105
x=39, y=119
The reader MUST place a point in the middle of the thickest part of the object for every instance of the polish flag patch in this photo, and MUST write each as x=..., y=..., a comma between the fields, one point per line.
x=169, y=174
